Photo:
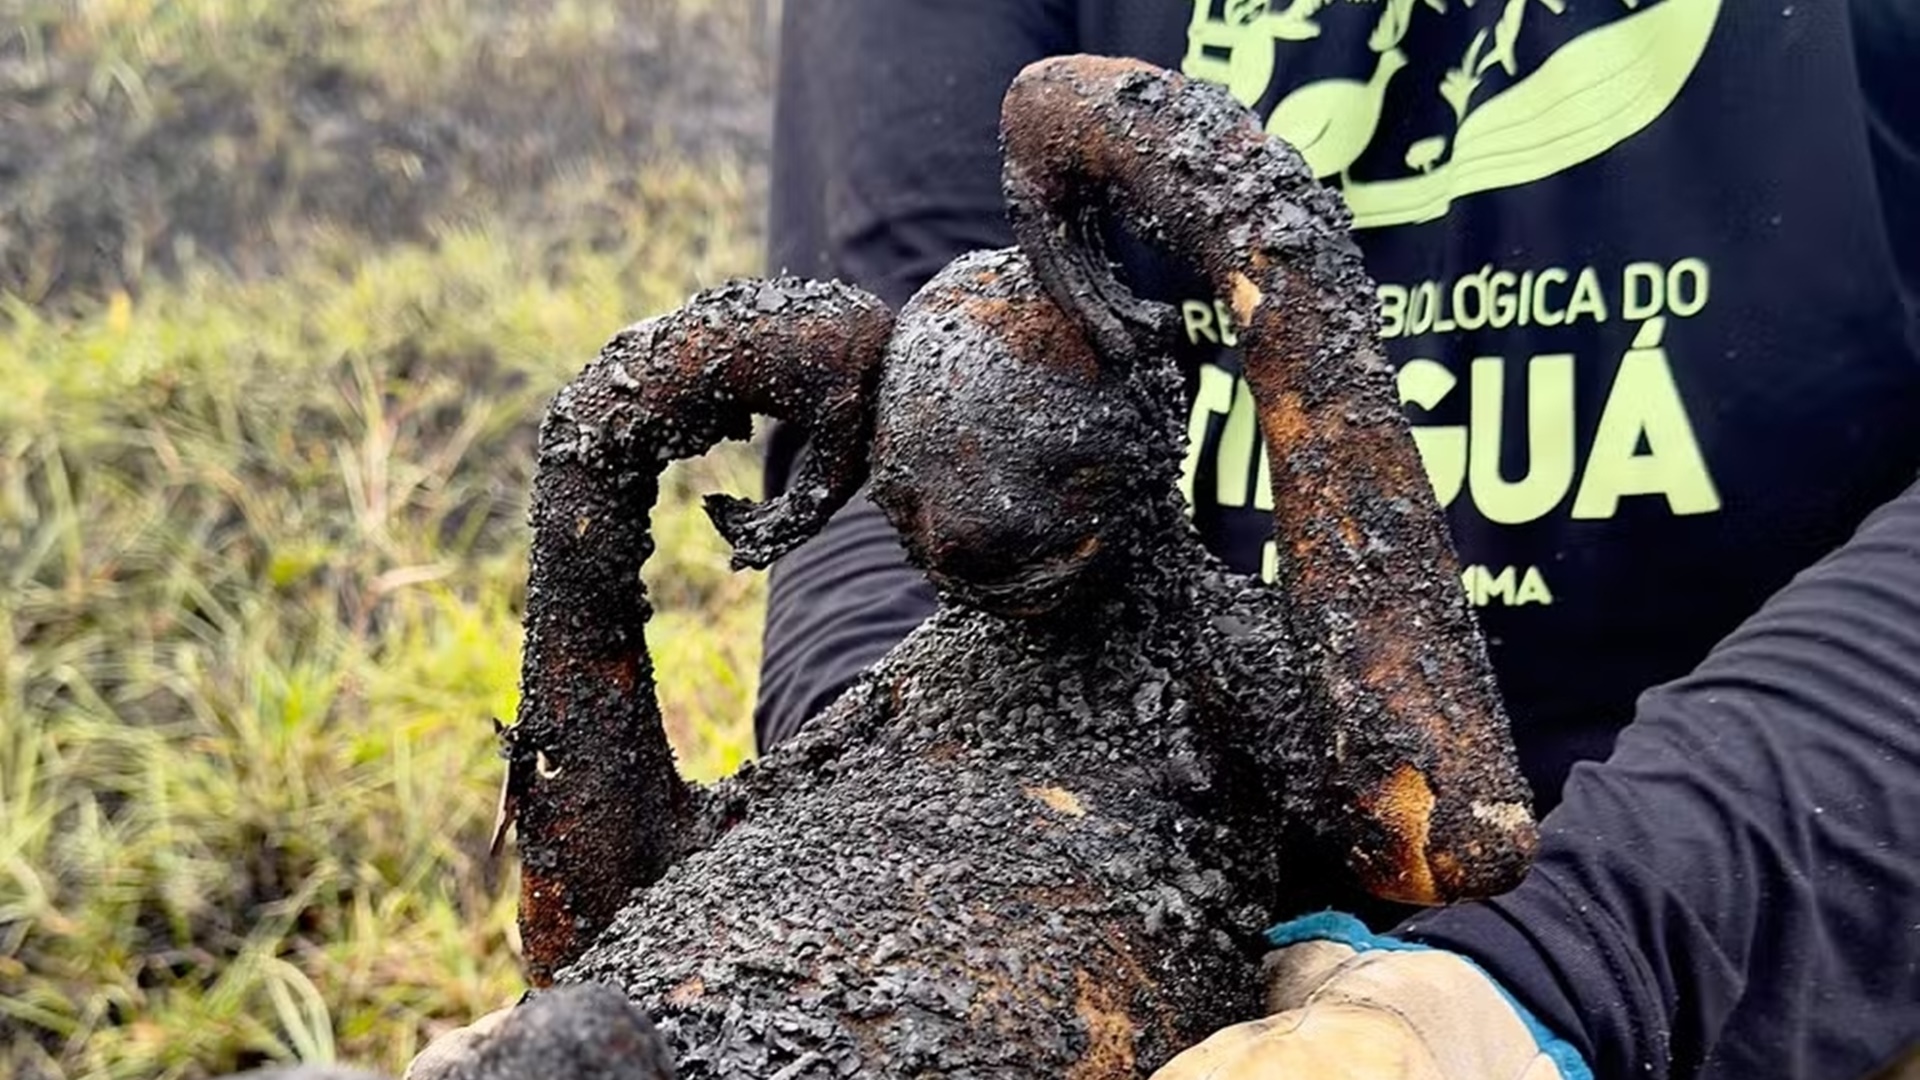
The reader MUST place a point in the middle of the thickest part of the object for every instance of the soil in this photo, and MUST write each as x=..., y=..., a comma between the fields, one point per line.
x=232, y=164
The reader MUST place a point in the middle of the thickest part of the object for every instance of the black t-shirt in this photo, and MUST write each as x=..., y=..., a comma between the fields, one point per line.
x=1636, y=270
x=1648, y=271
x=1637, y=277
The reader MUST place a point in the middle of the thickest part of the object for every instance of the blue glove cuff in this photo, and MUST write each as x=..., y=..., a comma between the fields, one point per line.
x=1346, y=930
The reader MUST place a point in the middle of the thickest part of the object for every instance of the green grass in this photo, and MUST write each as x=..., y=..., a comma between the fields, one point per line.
x=262, y=557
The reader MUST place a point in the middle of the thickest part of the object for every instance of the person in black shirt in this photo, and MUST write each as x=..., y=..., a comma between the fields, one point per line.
x=1650, y=275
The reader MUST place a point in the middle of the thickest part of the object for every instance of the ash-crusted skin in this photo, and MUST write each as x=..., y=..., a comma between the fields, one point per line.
x=1016, y=849
x=580, y=1032
x=590, y=778
x=1432, y=804
x=1039, y=843
x=1014, y=462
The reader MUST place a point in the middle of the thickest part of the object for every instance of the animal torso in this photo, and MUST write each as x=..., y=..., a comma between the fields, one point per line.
x=1010, y=852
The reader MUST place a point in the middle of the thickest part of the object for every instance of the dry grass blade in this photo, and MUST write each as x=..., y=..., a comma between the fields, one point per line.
x=262, y=496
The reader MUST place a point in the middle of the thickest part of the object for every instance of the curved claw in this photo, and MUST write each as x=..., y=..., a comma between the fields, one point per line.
x=793, y=350
x=599, y=807
x=1080, y=276
x=756, y=531
x=760, y=532
x=1420, y=778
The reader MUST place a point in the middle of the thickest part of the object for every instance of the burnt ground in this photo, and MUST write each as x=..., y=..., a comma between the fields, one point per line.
x=244, y=145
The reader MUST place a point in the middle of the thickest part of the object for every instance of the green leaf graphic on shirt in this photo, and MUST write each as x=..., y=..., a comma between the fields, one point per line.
x=1424, y=152
x=1458, y=84
x=1392, y=27
x=1394, y=18
x=1236, y=48
x=1592, y=93
x=1507, y=31
x=1295, y=22
x=1242, y=12
x=1331, y=121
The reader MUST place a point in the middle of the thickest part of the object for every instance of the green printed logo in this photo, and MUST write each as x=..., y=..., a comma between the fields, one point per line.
x=1510, y=124
x=1644, y=445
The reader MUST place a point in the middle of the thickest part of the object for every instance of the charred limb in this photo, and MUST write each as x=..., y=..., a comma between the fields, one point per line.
x=1421, y=782
x=599, y=807
x=1042, y=836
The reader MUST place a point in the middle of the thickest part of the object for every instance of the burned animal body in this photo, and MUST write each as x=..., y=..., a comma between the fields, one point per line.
x=1041, y=837
x=590, y=778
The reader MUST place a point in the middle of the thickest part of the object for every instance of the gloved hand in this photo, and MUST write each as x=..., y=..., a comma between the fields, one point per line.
x=1347, y=1005
x=455, y=1051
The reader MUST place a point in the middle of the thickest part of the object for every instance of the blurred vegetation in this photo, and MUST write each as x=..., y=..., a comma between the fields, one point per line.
x=283, y=290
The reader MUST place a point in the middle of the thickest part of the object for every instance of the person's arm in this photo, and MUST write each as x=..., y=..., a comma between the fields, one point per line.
x=886, y=167
x=1740, y=882
x=1734, y=893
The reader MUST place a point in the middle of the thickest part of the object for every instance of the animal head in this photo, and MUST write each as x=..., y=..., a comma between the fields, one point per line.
x=1019, y=464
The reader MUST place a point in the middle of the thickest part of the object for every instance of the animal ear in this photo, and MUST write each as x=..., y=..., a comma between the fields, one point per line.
x=598, y=805
x=1428, y=797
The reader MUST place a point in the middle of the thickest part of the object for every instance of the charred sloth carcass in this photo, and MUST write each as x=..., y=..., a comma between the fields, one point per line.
x=1040, y=837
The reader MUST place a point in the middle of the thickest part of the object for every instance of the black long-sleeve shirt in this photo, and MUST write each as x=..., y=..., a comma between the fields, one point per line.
x=1736, y=892
x=1682, y=367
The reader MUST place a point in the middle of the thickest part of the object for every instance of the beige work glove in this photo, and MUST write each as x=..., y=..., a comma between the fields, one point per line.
x=1379, y=1011
x=457, y=1049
